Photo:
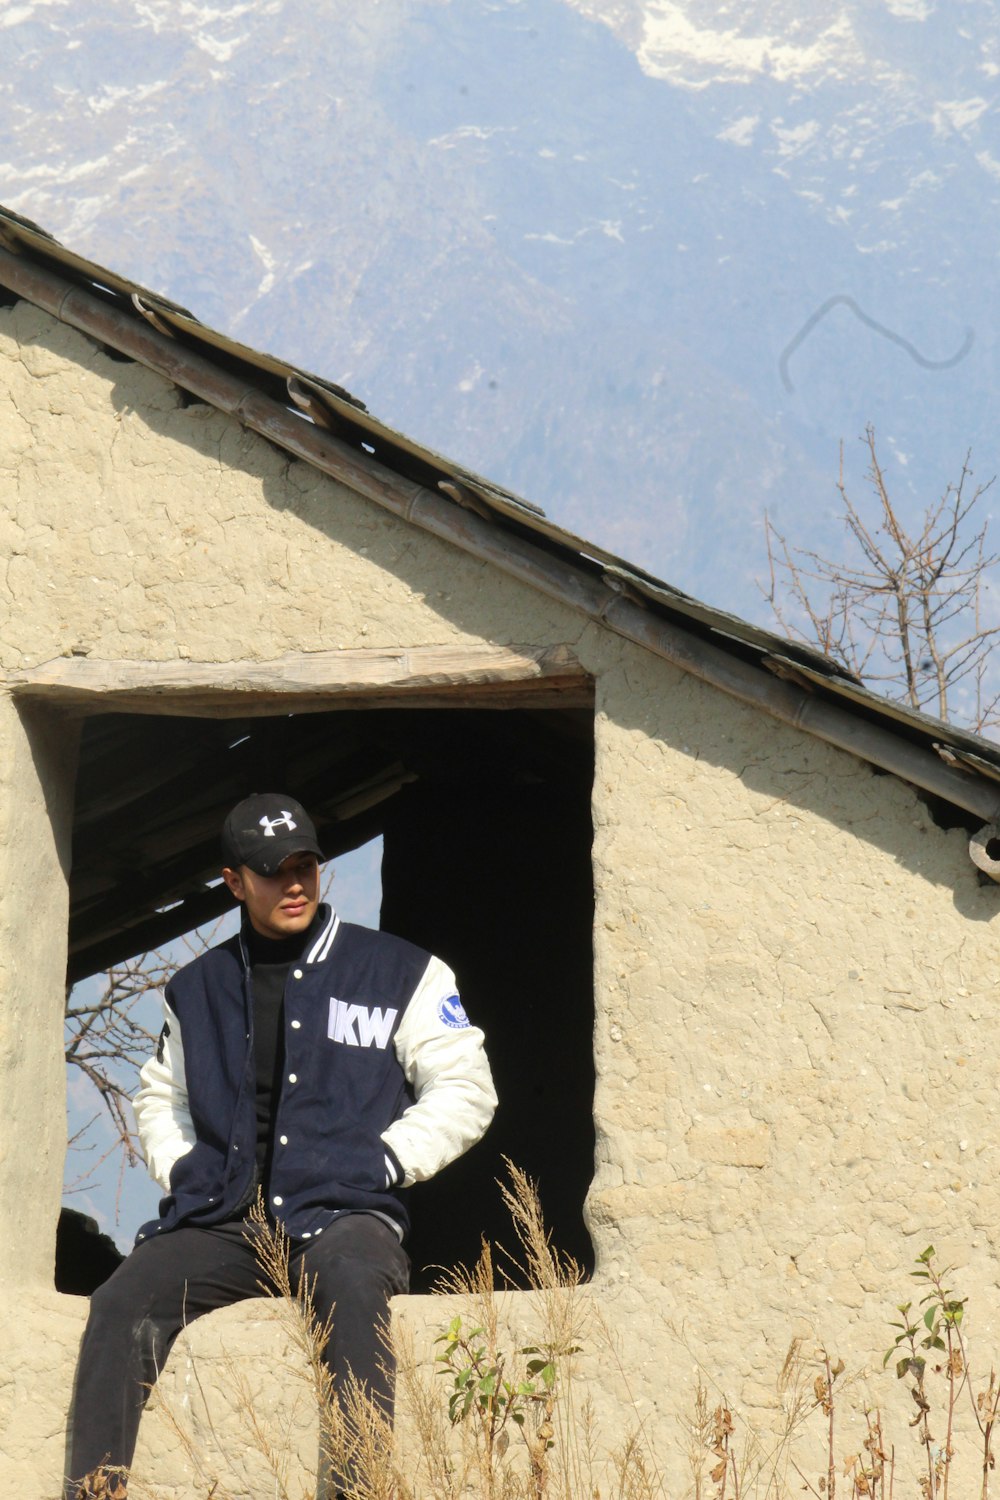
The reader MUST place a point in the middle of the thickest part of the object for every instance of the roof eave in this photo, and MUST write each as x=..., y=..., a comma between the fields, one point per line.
x=325, y=427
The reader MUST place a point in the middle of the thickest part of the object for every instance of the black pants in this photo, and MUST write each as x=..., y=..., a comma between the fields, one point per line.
x=357, y=1263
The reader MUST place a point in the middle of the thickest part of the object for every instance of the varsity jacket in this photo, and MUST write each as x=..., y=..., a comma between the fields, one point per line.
x=385, y=1082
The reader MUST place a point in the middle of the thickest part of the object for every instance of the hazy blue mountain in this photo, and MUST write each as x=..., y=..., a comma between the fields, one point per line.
x=571, y=243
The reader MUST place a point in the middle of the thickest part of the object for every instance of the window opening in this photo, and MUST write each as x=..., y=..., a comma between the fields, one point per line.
x=480, y=821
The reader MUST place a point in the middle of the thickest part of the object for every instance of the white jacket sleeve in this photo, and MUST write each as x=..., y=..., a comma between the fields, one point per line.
x=166, y=1130
x=443, y=1059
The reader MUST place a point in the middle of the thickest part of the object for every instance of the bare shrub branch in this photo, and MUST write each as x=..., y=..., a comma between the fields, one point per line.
x=107, y=1040
x=903, y=611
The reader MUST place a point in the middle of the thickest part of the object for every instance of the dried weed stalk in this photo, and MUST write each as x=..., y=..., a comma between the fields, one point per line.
x=497, y=1413
x=493, y=1416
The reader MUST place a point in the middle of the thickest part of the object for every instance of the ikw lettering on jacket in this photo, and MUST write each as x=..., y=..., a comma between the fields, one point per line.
x=385, y=1081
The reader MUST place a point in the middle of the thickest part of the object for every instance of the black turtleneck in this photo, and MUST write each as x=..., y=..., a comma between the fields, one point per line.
x=270, y=961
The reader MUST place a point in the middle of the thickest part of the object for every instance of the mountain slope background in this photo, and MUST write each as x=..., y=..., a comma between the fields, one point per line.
x=569, y=243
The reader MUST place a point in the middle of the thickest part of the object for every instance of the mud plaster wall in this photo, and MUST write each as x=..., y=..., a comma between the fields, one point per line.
x=796, y=1032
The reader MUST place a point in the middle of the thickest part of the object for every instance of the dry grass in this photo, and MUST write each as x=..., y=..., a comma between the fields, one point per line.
x=502, y=1410
x=520, y=1428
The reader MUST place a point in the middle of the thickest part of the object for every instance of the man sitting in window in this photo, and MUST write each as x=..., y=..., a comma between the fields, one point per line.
x=321, y=1065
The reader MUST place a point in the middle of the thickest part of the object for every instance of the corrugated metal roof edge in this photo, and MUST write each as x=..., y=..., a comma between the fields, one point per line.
x=351, y=422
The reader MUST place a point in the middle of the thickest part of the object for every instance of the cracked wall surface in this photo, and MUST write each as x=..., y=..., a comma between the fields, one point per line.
x=796, y=1030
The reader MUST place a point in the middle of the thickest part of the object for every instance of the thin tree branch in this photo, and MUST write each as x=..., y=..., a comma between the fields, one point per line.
x=904, y=610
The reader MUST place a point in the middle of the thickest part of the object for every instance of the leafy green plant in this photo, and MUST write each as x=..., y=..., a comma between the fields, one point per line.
x=478, y=1380
x=481, y=1390
x=499, y=1385
x=935, y=1328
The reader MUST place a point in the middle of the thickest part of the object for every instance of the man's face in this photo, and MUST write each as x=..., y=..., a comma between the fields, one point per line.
x=280, y=905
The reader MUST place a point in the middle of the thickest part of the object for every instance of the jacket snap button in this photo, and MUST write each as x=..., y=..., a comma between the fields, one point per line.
x=277, y=1200
x=298, y=973
x=296, y=1025
x=293, y=1078
x=284, y=1140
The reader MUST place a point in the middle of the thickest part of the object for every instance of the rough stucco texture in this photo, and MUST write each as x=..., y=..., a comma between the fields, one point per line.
x=796, y=1033
x=137, y=527
x=34, y=862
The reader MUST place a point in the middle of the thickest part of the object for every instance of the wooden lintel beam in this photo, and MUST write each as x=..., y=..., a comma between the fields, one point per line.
x=427, y=675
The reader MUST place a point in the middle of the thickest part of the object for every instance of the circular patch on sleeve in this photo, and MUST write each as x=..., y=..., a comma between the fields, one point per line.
x=452, y=1013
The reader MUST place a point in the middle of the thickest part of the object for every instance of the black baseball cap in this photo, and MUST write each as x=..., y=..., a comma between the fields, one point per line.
x=264, y=829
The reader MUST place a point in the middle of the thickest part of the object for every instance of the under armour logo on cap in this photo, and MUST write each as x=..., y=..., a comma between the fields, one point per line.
x=270, y=824
x=265, y=829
